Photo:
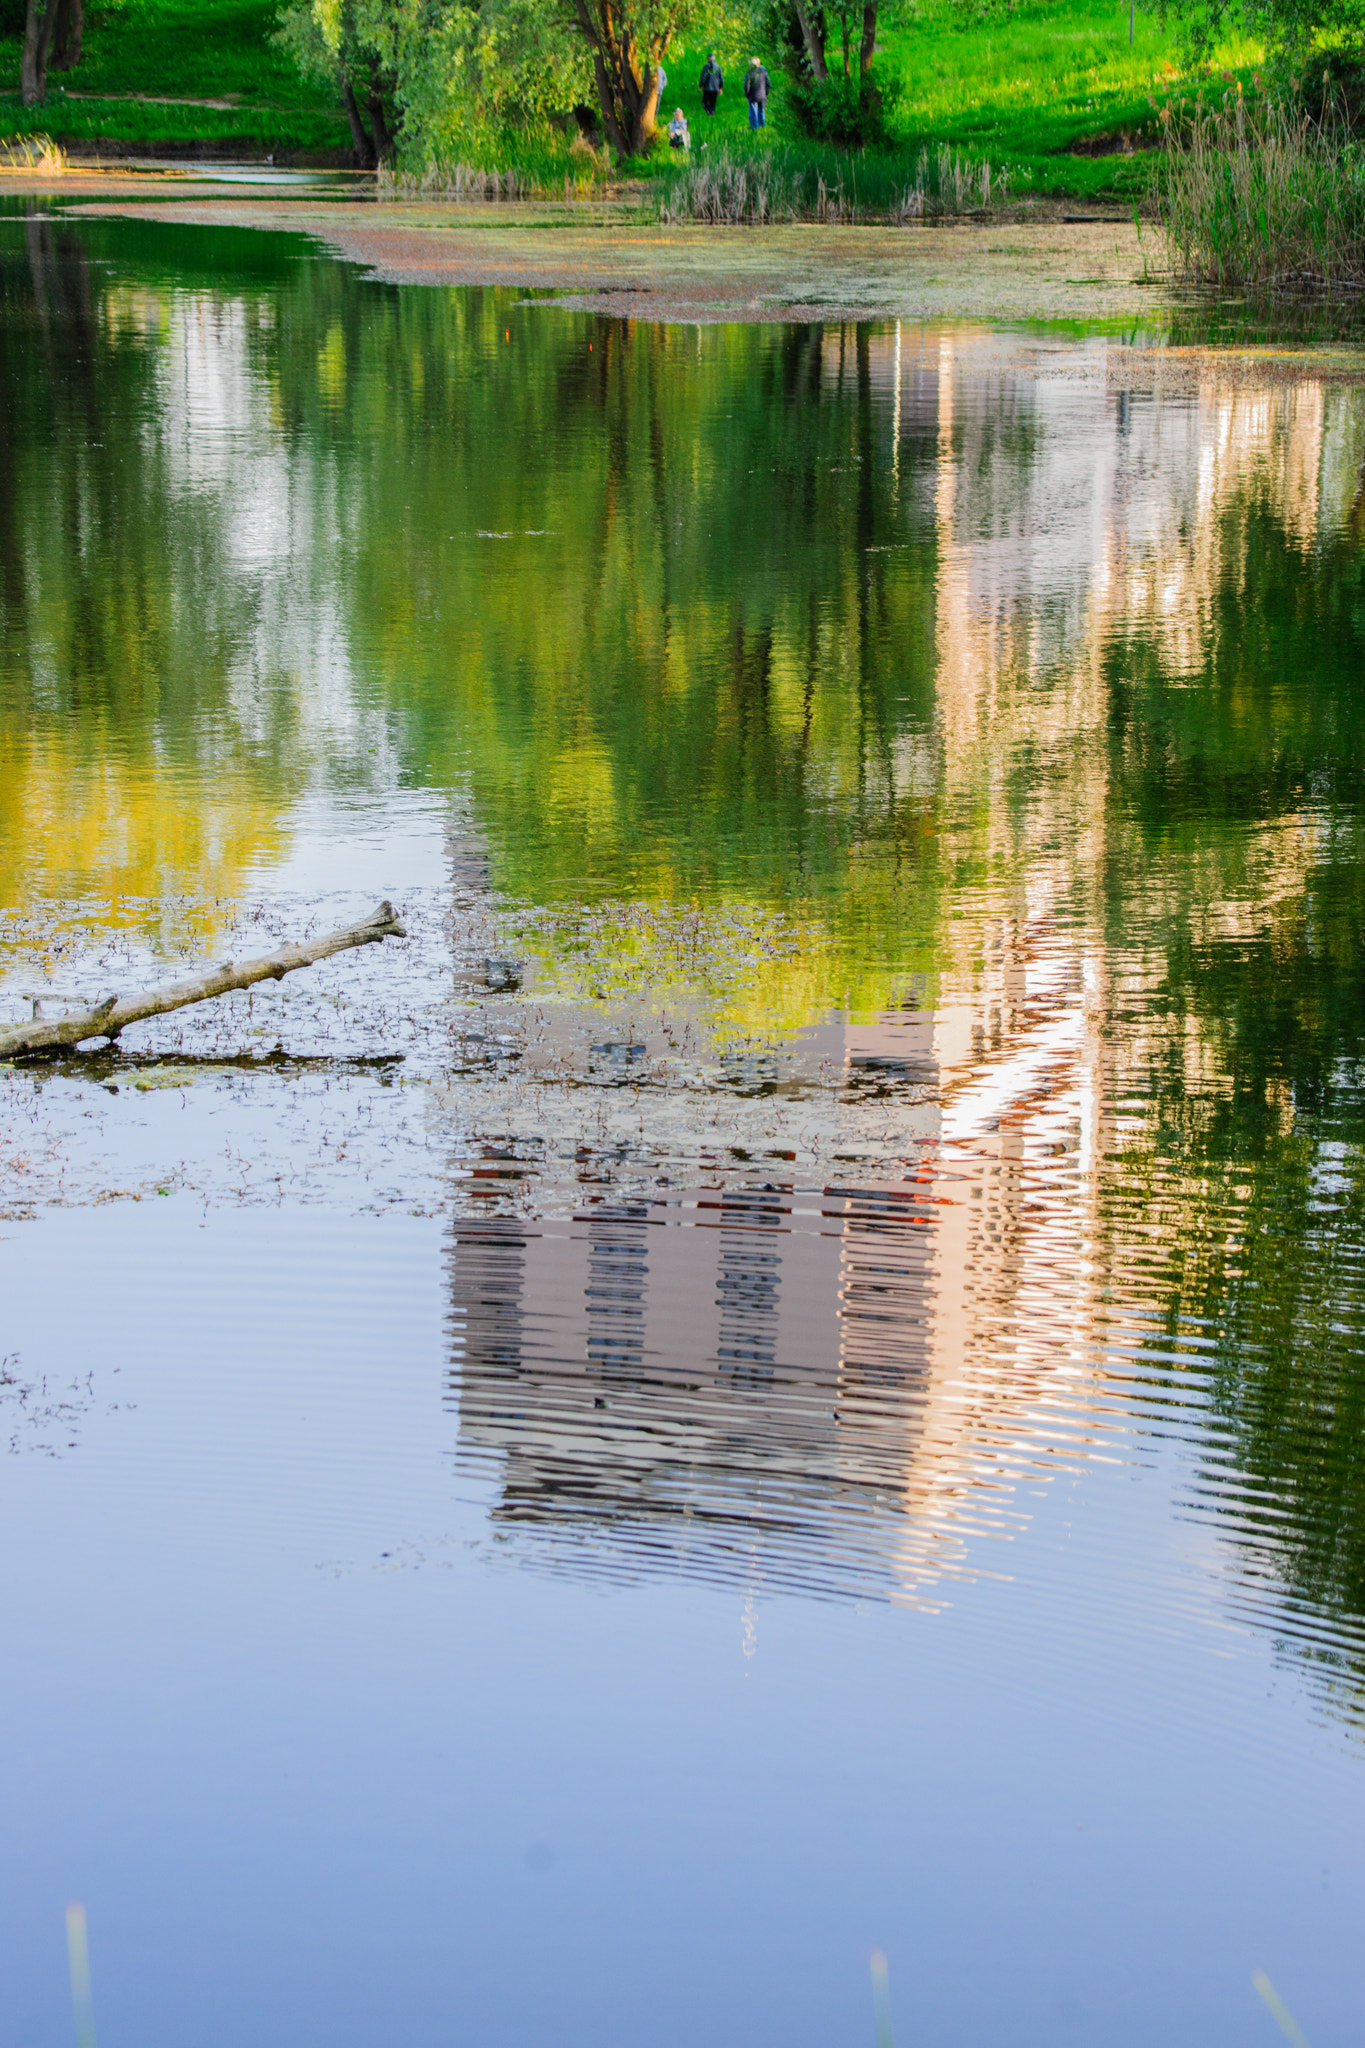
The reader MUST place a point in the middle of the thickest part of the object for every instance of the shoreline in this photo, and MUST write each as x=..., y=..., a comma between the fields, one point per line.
x=1074, y=276
x=607, y=260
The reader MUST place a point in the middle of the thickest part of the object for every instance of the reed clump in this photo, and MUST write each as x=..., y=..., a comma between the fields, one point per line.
x=725, y=190
x=753, y=189
x=32, y=153
x=1264, y=197
x=948, y=182
x=455, y=182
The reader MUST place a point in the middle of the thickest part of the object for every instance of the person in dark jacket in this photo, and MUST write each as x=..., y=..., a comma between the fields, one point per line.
x=712, y=83
x=756, y=88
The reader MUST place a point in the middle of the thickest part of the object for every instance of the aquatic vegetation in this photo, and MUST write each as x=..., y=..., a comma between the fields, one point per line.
x=792, y=182
x=949, y=182
x=1262, y=195
x=32, y=153
x=460, y=182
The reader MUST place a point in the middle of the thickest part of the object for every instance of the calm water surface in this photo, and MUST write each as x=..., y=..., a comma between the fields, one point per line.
x=820, y=1408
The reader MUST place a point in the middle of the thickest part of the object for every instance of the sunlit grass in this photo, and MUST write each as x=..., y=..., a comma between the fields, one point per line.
x=1021, y=88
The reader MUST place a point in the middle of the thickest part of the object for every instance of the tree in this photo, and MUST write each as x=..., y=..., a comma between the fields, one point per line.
x=483, y=67
x=530, y=56
x=627, y=46
x=450, y=72
x=1291, y=30
x=815, y=22
x=833, y=98
x=53, y=33
x=356, y=45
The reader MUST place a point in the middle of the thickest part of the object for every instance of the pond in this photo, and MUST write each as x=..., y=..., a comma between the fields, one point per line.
x=781, y=1383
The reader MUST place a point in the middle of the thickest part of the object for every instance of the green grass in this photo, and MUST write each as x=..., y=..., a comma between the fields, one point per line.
x=1022, y=87
x=209, y=49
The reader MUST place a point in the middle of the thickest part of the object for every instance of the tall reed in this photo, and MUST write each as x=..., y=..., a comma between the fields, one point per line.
x=749, y=189
x=455, y=181
x=32, y=153
x=950, y=182
x=1262, y=196
x=729, y=190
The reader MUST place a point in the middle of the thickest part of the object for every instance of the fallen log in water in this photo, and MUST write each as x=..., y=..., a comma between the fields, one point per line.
x=113, y=1015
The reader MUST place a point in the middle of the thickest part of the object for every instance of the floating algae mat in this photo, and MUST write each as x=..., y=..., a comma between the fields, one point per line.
x=780, y=1382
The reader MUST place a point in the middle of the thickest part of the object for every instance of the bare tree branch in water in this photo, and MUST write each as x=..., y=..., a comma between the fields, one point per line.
x=111, y=1016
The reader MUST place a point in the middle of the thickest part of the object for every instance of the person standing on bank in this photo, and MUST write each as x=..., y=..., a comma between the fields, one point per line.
x=712, y=83
x=756, y=88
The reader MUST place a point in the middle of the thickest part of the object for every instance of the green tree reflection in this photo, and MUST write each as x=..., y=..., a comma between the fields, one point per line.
x=1245, y=780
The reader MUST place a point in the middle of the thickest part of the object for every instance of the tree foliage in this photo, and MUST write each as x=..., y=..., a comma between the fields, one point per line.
x=357, y=45
x=829, y=48
x=1291, y=30
x=431, y=79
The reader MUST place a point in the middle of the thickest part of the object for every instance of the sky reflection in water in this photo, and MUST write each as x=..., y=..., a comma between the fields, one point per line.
x=890, y=1269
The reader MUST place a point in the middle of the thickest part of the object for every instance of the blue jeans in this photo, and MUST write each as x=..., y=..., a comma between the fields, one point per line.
x=757, y=112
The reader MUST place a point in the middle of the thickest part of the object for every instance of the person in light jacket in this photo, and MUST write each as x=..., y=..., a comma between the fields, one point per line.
x=756, y=89
x=678, y=137
x=712, y=83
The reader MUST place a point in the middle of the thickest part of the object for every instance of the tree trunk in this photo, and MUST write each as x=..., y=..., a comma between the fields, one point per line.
x=383, y=140
x=607, y=104
x=814, y=36
x=39, y=23
x=646, y=107
x=627, y=85
x=69, y=34
x=111, y=1016
x=843, y=23
x=362, y=148
x=867, y=49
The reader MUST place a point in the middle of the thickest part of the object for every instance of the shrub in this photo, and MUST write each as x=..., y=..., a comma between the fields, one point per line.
x=844, y=112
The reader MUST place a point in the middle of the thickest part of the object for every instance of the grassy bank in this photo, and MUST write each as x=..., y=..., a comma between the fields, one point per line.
x=1052, y=95
x=166, y=77
x=1049, y=92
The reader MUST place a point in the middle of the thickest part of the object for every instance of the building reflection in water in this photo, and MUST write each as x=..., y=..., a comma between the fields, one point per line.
x=831, y=1388
x=852, y=1386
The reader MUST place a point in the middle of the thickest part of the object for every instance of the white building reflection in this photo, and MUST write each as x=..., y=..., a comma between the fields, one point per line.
x=850, y=1387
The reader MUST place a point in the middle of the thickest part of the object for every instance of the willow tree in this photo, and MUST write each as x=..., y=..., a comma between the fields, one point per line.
x=531, y=51
x=627, y=41
x=356, y=46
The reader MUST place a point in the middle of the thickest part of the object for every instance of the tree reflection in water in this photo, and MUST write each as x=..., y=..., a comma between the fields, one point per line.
x=786, y=670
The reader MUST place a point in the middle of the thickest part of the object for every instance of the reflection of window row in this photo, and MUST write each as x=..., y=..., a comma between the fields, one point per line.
x=618, y=1273
x=692, y=1399
x=884, y=1281
x=747, y=1282
x=488, y=1268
